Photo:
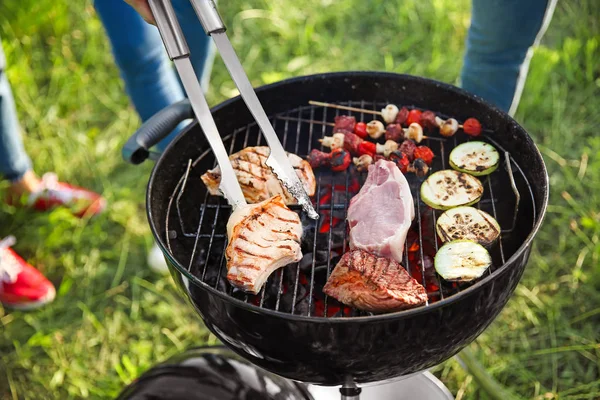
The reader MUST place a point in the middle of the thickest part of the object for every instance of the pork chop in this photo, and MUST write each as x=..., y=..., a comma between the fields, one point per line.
x=382, y=211
x=262, y=238
x=257, y=180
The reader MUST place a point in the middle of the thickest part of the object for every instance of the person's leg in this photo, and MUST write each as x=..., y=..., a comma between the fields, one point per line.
x=14, y=162
x=150, y=79
x=139, y=53
x=500, y=43
x=16, y=166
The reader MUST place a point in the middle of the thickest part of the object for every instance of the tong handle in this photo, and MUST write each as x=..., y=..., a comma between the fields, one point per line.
x=169, y=28
x=176, y=46
x=209, y=16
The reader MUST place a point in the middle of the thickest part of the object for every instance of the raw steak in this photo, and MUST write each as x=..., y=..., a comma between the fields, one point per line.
x=382, y=212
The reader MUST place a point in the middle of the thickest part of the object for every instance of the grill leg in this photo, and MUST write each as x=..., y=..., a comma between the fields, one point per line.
x=350, y=391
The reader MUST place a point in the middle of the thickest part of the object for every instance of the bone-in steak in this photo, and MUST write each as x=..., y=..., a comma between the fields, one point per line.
x=380, y=214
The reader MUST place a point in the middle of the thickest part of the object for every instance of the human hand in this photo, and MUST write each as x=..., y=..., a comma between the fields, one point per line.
x=143, y=8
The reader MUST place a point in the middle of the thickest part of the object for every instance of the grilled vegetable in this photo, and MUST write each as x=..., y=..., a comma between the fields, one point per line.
x=418, y=167
x=414, y=116
x=360, y=129
x=362, y=163
x=467, y=223
x=375, y=129
x=462, y=260
x=475, y=158
x=472, y=127
x=414, y=132
x=401, y=160
x=333, y=142
x=449, y=127
x=340, y=160
x=387, y=148
x=448, y=188
x=367, y=148
x=389, y=113
x=424, y=153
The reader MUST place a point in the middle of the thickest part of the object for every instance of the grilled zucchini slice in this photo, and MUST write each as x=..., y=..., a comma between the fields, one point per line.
x=468, y=223
x=462, y=261
x=475, y=158
x=448, y=189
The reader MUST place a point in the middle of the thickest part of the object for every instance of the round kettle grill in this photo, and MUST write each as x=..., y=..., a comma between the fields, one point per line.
x=291, y=328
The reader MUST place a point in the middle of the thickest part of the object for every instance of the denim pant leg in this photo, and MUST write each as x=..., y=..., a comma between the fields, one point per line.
x=14, y=161
x=150, y=79
x=499, y=47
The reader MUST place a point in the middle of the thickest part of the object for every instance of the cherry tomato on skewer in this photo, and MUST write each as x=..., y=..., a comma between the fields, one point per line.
x=424, y=153
x=360, y=129
x=413, y=116
x=472, y=127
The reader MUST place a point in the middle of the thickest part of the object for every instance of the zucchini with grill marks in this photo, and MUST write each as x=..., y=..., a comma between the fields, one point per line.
x=468, y=223
x=448, y=189
x=475, y=158
x=462, y=261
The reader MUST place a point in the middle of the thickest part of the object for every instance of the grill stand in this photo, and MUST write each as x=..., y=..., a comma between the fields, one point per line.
x=421, y=386
x=215, y=372
x=350, y=392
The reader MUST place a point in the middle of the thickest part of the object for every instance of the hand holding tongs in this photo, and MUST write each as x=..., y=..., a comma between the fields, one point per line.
x=178, y=51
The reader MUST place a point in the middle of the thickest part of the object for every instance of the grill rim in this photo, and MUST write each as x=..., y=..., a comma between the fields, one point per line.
x=368, y=318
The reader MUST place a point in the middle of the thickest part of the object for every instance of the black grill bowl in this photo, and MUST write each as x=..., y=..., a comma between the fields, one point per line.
x=329, y=351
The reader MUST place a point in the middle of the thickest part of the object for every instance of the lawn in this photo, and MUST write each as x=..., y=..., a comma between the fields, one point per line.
x=113, y=318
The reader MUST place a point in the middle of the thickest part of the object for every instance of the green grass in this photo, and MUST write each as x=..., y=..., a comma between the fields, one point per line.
x=113, y=318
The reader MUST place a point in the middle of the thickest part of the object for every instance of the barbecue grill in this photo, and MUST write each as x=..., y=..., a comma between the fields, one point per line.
x=290, y=328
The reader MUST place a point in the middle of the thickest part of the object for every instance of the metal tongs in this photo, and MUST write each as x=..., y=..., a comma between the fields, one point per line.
x=178, y=51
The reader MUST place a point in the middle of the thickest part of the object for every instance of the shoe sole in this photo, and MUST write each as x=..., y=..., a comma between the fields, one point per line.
x=32, y=305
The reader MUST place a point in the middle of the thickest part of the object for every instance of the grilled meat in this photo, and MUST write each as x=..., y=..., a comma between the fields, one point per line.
x=394, y=132
x=380, y=214
x=262, y=238
x=376, y=284
x=257, y=180
x=344, y=124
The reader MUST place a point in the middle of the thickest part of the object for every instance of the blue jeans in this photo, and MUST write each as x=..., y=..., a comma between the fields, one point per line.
x=14, y=162
x=499, y=48
x=150, y=80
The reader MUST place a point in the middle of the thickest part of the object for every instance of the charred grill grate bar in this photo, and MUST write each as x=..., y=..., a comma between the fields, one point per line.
x=296, y=289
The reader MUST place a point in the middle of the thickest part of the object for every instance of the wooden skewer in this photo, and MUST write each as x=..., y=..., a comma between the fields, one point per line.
x=340, y=107
x=310, y=121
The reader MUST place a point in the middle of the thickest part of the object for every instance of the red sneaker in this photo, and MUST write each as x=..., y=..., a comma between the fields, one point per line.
x=58, y=194
x=22, y=287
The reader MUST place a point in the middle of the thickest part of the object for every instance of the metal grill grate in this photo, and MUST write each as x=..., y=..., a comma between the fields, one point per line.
x=296, y=288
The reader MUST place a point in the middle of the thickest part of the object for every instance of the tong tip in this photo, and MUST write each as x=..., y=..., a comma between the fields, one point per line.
x=312, y=214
